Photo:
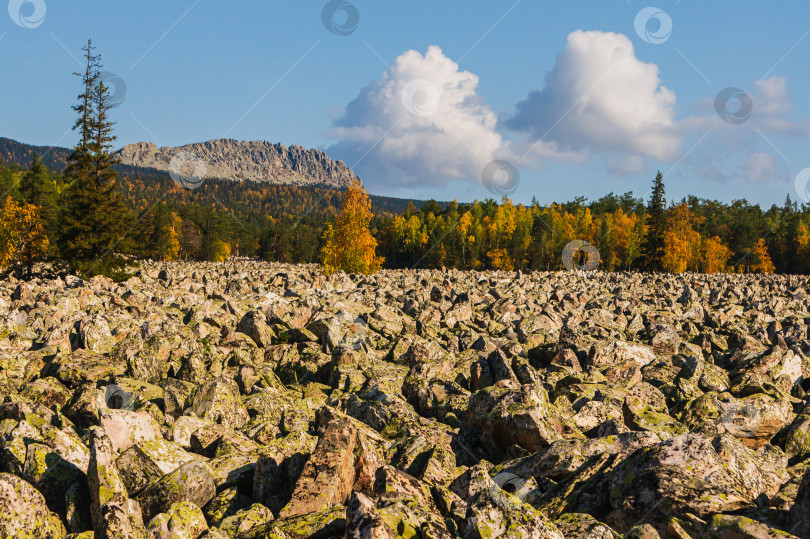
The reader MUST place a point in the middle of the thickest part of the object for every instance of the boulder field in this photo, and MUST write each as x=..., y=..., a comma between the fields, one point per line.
x=263, y=400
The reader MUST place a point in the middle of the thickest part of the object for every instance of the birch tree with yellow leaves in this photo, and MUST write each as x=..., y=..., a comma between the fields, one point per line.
x=681, y=242
x=349, y=245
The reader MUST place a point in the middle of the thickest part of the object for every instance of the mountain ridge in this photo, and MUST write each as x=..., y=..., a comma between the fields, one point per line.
x=225, y=159
x=255, y=160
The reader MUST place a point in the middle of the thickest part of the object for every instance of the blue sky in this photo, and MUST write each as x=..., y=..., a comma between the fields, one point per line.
x=421, y=96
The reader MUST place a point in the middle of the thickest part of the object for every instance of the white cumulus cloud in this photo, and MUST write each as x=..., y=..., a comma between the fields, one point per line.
x=599, y=97
x=423, y=122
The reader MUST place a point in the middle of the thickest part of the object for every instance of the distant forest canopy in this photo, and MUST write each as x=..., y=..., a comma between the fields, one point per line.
x=286, y=223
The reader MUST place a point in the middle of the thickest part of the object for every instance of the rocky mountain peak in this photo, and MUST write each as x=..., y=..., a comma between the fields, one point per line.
x=254, y=160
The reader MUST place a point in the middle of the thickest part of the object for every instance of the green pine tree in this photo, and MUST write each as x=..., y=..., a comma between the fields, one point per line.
x=9, y=180
x=95, y=218
x=653, y=249
x=38, y=187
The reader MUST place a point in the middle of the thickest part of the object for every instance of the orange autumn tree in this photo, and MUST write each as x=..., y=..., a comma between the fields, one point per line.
x=681, y=242
x=499, y=259
x=349, y=245
x=760, y=259
x=22, y=237
x=714, y=255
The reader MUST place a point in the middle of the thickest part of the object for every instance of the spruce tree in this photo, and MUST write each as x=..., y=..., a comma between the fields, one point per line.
x=653, y=249
x=37, y=187
x=95, y=217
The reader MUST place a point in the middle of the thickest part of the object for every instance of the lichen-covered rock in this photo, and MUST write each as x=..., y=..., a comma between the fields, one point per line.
x=642, y=531
x=182, y=430
x=145, y=462
x=617, y=352
x=363, y=521
x=583, y=525
x=95, y=335
x=192, y=482
x=182, y=520
x=125, y=428
x=800, y=512
x=734, y=526
x=521, y=416
x=254, y=325
x=121, y=520
x=48, y=392
x=50, y=474
x=328, y=475
x=493, y=512
x=218, y=401
x=102, y=476
x=86, y=406
x=682, y=474
x=23, y=512
x=797, y=441
x=246, y=520
x=223, y=505
x=405, y=502
x=754, y=419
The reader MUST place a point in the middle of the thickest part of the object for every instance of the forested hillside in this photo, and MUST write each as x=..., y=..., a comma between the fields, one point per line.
x=285, y=223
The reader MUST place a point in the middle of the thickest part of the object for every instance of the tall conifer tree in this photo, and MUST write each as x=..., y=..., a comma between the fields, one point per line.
x=95, y=217
x=653, y=249
x=38, y=187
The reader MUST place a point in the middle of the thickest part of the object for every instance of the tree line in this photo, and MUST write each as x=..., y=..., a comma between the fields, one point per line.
x=90, y=222
x=691, y=235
